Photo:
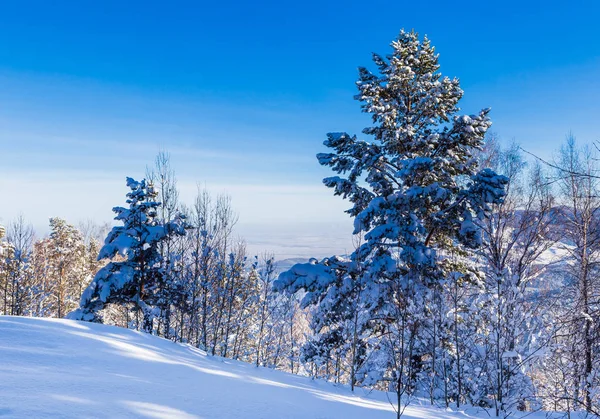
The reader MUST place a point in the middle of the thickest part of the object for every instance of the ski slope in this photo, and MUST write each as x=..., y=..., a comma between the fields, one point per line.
x=59, y=368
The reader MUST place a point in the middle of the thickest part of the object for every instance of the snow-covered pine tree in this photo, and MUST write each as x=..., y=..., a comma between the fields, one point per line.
x=134, y=280
x=334, y=286
x=415, y=190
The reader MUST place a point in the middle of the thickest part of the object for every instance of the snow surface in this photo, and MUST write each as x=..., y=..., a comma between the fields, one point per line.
x=69, y=369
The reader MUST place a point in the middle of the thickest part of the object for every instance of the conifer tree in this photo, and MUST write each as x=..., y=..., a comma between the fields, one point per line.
x=416, y=191
x=133, y=281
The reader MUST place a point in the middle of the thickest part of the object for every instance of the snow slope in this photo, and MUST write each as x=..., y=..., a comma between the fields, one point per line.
x=68, y=369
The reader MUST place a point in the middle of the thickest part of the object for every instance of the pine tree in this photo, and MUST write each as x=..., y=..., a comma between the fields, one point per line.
x=334, y=286
x=135, y=280
x=415, y=191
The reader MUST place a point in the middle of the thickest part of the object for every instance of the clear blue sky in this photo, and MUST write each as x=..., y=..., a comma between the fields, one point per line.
x=242, y=94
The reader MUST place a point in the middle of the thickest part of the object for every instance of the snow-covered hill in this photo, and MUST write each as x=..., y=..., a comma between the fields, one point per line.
x=58, y=368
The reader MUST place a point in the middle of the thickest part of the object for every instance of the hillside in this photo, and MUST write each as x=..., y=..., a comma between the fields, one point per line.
x=60, y=368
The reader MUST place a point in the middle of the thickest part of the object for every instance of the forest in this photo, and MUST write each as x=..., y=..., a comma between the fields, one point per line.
x=474, y=278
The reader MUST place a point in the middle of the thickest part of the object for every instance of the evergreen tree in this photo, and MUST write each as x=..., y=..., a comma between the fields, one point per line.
x=134, y=280
x=334, y=286
x=416, y=192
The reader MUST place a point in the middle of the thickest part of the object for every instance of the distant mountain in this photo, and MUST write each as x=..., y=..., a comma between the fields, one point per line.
x=285, y=264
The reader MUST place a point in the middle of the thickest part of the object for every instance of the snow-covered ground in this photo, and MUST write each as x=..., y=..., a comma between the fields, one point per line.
x=59, y=368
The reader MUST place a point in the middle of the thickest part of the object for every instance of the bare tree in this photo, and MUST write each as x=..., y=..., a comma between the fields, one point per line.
x=20, y=236
x=265, y=277
x=580, y=216
x=162, y=177
x=515, y=236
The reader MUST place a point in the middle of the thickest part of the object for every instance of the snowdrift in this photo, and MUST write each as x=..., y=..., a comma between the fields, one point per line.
x=69, y=369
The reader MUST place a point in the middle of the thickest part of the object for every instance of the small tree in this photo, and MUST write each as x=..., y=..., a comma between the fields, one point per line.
x=134, y=280
x=335, y=286
x=66, y=255
x=515, y=236
x=580, y=187
x=20, y=237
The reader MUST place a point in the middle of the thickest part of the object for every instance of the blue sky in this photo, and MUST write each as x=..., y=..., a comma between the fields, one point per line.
x=242, y=94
